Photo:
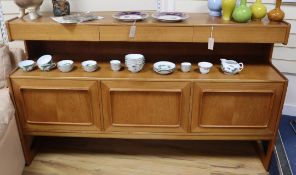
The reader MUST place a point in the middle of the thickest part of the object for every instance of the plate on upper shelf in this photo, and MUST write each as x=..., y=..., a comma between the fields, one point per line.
x=170, y=16
x=130, y=16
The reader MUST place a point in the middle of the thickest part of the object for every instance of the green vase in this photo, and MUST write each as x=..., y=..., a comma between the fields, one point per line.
x=258, y=10
x=242, y=13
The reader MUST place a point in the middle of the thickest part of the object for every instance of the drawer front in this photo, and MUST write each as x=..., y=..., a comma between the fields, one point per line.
x=242, y=34
x=145, y=106
x=236, y=107
x=150, y=34
x=50, y=31
x=58, y=105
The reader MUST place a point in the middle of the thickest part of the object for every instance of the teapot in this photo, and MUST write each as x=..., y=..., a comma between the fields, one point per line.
x=231, y=66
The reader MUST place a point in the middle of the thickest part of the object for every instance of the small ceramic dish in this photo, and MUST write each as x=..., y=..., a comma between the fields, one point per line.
x=45, y=63
x=164, y=67
x=65, y=65
x=115, y=65
x=89, y=65
x=170, y=16
x=27, y=65
x=130, y=16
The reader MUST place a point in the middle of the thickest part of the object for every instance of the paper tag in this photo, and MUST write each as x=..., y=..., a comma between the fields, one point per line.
x=211, y=42
x=132, y=32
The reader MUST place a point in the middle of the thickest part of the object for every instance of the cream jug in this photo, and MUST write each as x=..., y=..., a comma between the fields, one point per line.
x=231, y=66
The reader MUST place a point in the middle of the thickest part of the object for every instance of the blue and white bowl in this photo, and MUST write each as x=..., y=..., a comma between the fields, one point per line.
x=65, y=65
x=27, y=65
x=89, y=65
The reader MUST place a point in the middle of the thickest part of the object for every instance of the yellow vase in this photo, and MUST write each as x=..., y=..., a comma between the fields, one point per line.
x=258, y=10
x=227, y=8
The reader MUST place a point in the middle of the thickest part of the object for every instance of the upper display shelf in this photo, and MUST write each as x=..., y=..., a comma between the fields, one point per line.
x=197, y=28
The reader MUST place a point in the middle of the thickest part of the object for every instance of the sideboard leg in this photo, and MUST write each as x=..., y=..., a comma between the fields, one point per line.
x=265, y=150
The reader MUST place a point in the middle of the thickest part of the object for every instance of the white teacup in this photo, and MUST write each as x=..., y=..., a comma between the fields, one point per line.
x=27, y=65
x=65, y=65
x=115, y=65
x=185, y=67
x=89, y=65
x=205, y=67
x=45, y=63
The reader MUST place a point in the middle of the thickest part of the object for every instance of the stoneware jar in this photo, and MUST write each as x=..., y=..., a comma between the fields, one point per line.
x=242, y=13
x=215, y=7
x=227, y=9
x=276, y=14
x=32, y=6
x=258, y=10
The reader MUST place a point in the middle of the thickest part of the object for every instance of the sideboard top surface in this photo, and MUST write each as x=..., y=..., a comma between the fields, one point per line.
x=197, y=28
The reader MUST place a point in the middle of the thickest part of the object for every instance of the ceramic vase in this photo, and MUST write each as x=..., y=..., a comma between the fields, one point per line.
x=61, y=7
x=276, y=14
x=31, y=5
x=242, y=13
x=258, y=10
x=215, y=7
x=227, y=9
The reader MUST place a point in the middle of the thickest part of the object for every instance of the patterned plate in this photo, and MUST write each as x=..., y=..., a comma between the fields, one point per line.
x=130, y=16
x=170, y=16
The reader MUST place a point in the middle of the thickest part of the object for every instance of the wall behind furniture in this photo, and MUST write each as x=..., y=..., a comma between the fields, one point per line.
x=284, y=57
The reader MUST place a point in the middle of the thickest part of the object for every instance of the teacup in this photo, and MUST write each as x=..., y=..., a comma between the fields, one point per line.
x=45, y=63
x=205, y=67
x=65, y=65
x=185, y=67
x=89, y=65
x=27, y=65
x=115, y=65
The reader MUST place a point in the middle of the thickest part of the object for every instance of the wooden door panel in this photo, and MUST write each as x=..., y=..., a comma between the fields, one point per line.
x=58, y=105
x=146, y=106
x=236, y=108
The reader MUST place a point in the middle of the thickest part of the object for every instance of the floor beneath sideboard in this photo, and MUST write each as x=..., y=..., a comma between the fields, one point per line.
x=64, y=156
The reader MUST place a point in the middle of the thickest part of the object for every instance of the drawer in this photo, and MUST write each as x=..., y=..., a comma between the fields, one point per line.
x=145, y=106
x=241, y=34
x=148, y=34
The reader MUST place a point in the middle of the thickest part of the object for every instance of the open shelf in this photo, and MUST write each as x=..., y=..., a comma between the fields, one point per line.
x=264, y=73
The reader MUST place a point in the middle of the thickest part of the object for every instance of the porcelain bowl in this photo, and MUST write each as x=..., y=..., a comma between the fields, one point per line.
x=27, y=65
x=89, y=65
x=65, y=65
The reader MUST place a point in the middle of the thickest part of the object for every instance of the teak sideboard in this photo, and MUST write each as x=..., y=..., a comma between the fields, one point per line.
x=146, y=105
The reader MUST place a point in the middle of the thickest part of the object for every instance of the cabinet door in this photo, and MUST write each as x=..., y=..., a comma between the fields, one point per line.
x=57, y=105
x=236, y=108
x=146, y=106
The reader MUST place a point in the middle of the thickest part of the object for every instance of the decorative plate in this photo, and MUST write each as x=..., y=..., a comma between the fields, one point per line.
x=130, y=16
x=164, y=67
x=170, y=16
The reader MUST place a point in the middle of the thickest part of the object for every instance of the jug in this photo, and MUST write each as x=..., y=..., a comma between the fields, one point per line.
x=231, y=66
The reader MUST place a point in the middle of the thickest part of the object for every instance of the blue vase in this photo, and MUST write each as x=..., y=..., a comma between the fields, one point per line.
x=215, y=7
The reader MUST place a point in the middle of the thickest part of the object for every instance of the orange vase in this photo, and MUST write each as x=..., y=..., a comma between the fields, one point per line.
x=276, y=14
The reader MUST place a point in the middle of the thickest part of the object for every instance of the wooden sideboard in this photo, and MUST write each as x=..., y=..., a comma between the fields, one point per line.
x=146, y=105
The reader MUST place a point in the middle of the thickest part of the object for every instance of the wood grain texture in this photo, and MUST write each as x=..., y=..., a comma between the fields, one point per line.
x=146, y=106
x=128, y=157
x=58, y=106
x=150, y=30
x=245, y=107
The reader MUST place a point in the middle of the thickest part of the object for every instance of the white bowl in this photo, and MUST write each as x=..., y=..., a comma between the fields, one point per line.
x=45, y=59
x=27, y=65
x=134, y=57
x=65, y=65
x=205, y=67
x=89, y=65
x=115, y=65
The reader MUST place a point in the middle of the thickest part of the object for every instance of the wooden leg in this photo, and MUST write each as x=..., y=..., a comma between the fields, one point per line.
x=265, y=150
x=29, y=148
